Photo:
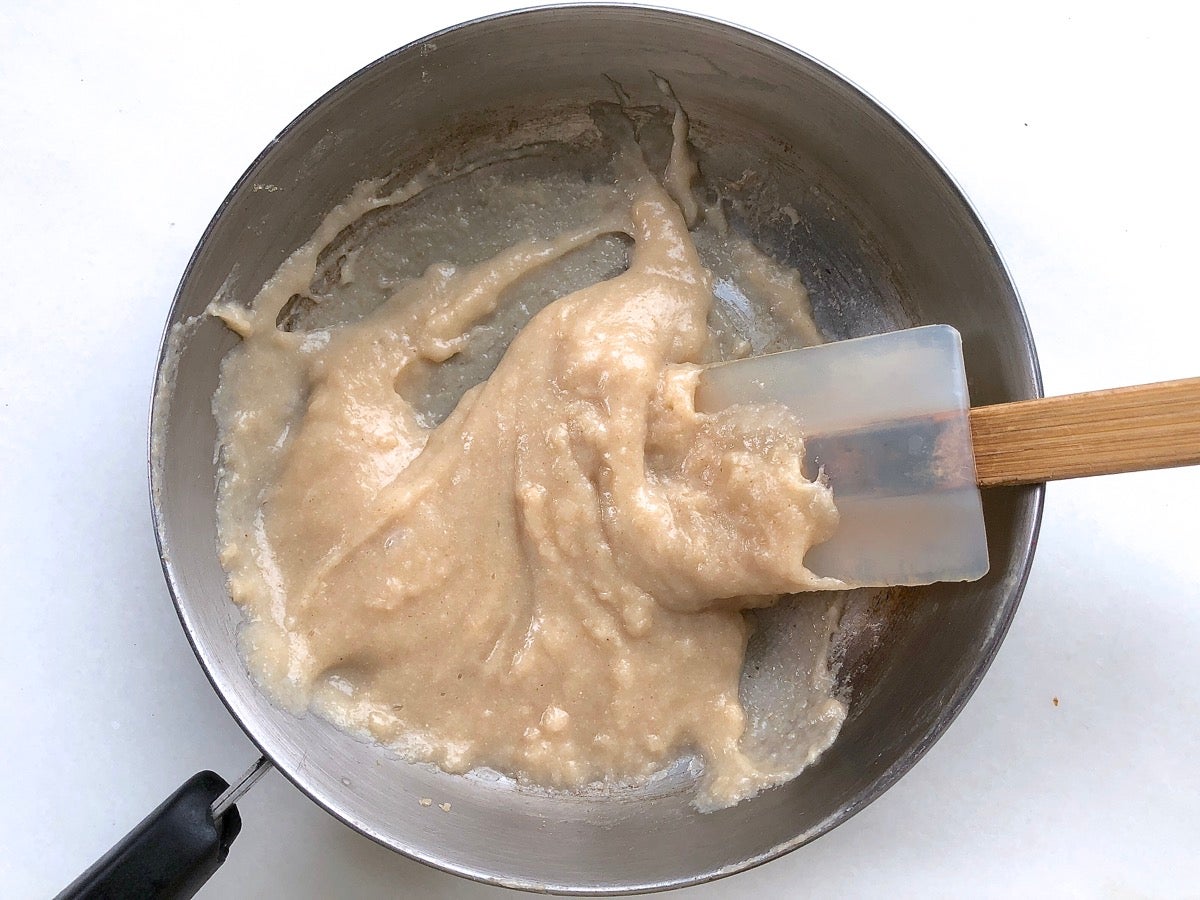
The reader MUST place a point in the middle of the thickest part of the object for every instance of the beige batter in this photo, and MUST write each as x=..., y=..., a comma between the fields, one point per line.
x=550, y=582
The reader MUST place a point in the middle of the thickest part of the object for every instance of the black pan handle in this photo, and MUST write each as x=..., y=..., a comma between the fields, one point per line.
x=170, y=854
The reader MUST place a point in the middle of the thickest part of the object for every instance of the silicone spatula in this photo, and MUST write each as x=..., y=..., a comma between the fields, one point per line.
x=888, y=420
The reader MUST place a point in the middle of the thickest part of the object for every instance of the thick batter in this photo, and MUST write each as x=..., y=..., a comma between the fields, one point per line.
x=550, y=580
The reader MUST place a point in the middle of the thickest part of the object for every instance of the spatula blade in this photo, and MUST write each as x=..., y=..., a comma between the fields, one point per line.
x=887, y=419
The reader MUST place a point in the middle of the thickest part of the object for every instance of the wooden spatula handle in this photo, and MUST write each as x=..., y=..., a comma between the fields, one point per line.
x=1150, y=426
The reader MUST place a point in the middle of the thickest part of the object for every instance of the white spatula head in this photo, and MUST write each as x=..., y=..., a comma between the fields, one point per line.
x=887, y=419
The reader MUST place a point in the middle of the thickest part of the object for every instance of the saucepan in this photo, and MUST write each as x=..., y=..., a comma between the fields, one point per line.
x=826, y=181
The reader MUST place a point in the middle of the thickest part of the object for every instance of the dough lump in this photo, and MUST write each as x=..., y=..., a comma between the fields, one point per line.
x=550, y=580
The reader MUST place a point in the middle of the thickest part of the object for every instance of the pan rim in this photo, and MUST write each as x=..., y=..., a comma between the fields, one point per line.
x=1027, y=527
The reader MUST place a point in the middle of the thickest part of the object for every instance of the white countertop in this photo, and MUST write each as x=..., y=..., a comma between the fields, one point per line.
x=1073, y=770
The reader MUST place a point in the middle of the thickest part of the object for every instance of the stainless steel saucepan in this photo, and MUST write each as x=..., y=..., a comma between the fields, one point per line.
x=882, y=237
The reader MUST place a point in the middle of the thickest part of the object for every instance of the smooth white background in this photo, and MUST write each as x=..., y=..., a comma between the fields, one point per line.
x=1072, y=128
